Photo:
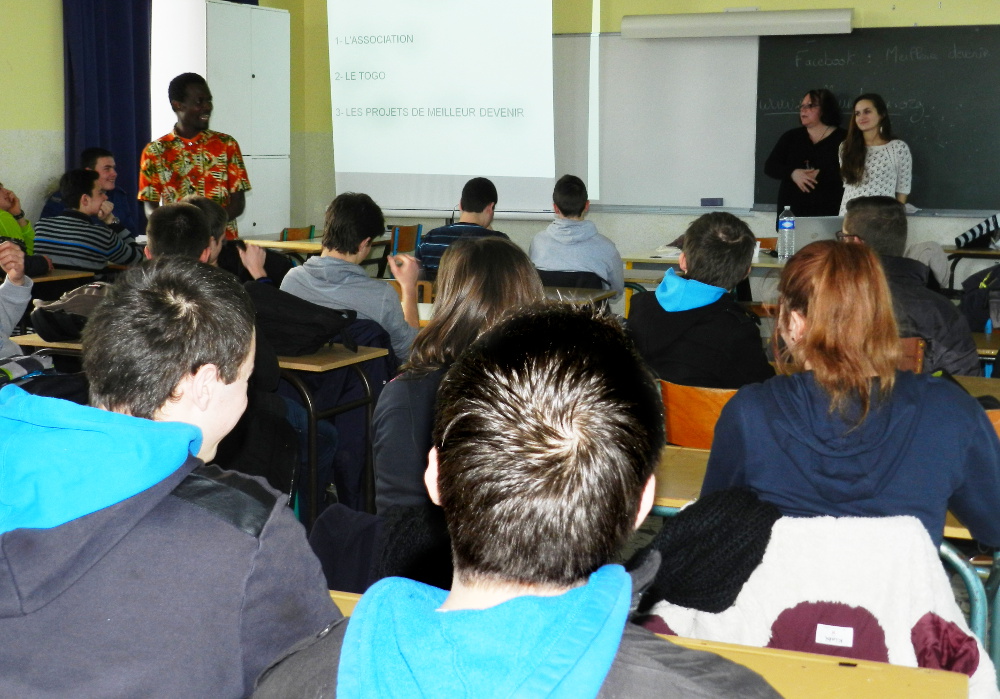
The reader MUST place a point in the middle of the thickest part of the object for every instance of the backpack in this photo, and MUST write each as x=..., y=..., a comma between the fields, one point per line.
x=63, y=320
x=976, y=292
x=294, y=326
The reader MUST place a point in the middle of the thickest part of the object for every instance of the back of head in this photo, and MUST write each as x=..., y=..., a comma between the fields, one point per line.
x=351, y=218
x=547, y=430
x=178, y=87
x=570, y=195
x=74, y=184
x=718, y=248
x=851, y=335
x=477, y=194
x=214, y=213
x=478, y=281
x=161, y=321
x=177, y=229
x=90, y=156
x=880, y=222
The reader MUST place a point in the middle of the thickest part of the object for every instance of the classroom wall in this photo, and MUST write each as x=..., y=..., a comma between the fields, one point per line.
x=32, y=136
x=31, y=128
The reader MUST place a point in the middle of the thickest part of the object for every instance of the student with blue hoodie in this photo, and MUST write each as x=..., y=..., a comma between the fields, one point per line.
x=546, y=436
x=691, y=330
x=572, y=244
x=129, y=567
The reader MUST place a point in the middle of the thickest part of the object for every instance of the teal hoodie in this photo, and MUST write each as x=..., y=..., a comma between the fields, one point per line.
x=398, y=645
x=60, y=461
x=675, y=293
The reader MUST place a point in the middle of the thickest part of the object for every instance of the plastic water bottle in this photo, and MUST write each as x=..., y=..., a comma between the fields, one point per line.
x=786, y=234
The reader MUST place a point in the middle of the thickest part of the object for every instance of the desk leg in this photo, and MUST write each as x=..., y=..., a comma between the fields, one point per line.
x=311, y=433
x=628, y=291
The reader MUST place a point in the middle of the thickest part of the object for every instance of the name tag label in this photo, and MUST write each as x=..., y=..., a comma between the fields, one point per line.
x=842, y=636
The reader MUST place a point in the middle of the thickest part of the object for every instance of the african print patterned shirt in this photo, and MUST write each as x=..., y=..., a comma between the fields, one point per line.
x=210, y=165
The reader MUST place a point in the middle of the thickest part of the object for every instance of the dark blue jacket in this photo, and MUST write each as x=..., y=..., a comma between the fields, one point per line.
x=929, y=449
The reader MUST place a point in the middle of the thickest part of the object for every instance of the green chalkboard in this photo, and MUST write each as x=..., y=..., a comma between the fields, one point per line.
x=942, y=86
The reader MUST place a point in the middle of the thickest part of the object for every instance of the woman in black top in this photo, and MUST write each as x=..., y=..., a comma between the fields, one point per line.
x=805, y=159
x=479, y=280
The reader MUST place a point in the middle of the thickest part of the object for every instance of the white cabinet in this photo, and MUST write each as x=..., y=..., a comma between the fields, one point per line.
x=268, y=203
x=244, y=52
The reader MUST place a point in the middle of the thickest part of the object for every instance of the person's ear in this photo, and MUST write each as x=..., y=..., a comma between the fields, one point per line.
x=202, y=384
x=206, y=254
x=147, y=252
x=586, y=207
x=796, y=327
x=176, y=106
x=431, y=476
x=555, y=208
x=682, y=262
x=646, y=501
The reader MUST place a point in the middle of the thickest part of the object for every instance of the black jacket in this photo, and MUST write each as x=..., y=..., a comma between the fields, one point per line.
x=715, y=346
x=921, y=312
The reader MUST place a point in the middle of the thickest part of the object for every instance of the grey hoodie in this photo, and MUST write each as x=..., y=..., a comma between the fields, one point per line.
x=576, y=246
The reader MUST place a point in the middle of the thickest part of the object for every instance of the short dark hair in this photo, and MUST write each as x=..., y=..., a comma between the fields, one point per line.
x=718, y=248
x=216, y=216
x=351, y=218
x=178, y=229
x=477, y=194
x=570, y=195
x=177, y=90
x=161, y=321
x=880, y=222
x=89, y=157
x=74, y=184
x=547, y=430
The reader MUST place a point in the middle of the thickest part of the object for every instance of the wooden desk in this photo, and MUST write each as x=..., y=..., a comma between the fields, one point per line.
x=36, y=342
x=806, y=675
x=958, y=254
x=809, y=676
x=987, y=345
x=577, y=296
x=299, y=247
x=61, y=275
x=980, y=385
x=328, y=359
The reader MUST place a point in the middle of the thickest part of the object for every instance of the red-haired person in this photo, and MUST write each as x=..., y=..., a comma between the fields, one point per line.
x=846, y=434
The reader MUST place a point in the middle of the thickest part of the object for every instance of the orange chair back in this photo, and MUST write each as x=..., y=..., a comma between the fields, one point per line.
x=406, y=238
x=690, y=413
x=305, y=233
x=912, y=358
x=994, y=416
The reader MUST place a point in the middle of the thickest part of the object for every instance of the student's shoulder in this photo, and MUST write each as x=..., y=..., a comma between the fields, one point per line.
x=649, y=666
x=234, y=499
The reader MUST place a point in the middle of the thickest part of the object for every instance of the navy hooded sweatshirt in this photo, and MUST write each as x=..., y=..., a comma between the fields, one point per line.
x=927, y=449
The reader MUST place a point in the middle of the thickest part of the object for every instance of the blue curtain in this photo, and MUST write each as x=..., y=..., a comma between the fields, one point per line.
x=106, y=69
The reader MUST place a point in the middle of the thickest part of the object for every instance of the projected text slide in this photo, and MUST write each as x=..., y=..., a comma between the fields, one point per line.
x=446, y=87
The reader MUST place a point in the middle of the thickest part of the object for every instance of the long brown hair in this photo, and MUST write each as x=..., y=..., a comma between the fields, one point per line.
x=852, y=162
x=479, y=279
x=851, y=337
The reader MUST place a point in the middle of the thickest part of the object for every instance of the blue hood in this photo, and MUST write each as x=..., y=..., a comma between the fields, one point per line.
x=676, y=293
x=60, y=461
x=399, y=645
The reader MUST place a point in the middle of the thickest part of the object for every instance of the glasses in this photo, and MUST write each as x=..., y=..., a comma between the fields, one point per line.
x=845, y=237
x=807, y=105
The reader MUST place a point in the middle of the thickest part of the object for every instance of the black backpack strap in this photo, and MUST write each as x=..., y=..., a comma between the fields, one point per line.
x=232, y=497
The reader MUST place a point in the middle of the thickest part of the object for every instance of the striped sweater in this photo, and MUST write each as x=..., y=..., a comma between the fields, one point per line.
x=72, y=240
